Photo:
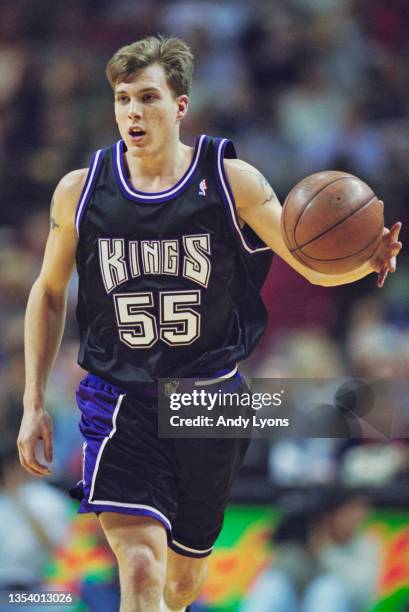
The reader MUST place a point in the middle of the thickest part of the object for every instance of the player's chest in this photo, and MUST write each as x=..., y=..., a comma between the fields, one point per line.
x=117, y=217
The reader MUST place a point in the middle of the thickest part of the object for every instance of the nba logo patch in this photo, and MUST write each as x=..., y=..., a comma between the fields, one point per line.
x=202, y=187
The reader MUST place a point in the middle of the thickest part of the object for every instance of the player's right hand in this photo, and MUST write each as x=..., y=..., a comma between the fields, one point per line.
x=383, y=260
x=35, y=426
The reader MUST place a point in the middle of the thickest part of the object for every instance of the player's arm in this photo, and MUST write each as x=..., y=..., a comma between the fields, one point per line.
x=258, y=206
x=44, y=321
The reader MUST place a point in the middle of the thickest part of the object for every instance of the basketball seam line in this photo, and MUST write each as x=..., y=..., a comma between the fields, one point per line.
x=301, y=246
x=340, y=178
x=345, y=256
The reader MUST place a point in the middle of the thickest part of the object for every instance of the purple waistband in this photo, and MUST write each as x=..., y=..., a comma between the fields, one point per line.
x=101, y=383
x=149, y=390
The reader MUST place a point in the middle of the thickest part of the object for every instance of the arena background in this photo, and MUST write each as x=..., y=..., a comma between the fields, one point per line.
x=300, y=86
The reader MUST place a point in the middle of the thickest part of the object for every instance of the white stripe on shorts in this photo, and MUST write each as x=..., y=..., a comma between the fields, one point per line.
x=192, y=550
x=212, y=381
x=106, y=502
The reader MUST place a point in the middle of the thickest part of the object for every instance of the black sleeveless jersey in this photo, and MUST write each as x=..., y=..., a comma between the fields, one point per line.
x=168, y=282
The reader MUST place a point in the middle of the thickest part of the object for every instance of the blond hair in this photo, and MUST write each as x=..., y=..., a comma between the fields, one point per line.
x=172, y=53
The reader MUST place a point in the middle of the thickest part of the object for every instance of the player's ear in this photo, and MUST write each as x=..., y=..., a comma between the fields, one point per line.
x=183, y=103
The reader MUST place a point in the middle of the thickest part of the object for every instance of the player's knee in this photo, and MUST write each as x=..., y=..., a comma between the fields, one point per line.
x=139, y=565
x=187, y=586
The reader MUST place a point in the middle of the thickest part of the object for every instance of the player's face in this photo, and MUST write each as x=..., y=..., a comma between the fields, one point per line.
x=147, y=111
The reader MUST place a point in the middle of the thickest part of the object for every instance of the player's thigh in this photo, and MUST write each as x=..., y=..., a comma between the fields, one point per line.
x=185, y=573
x=130, y=535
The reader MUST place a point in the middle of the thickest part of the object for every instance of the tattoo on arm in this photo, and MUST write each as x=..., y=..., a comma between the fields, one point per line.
x=269, y=192
x=53, y=222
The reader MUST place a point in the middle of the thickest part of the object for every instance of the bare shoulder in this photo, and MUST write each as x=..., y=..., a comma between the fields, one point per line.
x=59, y=256
x=67, y=194
x=70, y=186
x=238, y=170
x=248, y=184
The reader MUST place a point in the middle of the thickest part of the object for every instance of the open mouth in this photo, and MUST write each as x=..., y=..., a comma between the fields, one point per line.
x=135, y=132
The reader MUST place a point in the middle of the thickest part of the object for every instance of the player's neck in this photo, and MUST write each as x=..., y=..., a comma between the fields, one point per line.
x=162, y=170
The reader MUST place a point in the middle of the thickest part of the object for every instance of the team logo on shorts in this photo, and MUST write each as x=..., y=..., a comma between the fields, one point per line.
x=171, y=387
x=202, y=187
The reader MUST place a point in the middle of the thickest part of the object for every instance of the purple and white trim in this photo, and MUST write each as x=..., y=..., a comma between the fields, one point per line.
x=101, y=450
x=88, y=187
x=229, y=199
x=161, y=196
x=181, y=549
x=104, y=504
x=212, y=381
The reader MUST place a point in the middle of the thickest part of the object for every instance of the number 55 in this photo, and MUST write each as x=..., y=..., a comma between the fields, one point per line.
x=178, y=324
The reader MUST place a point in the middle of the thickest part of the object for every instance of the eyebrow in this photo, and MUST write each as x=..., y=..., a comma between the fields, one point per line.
x=144, y=90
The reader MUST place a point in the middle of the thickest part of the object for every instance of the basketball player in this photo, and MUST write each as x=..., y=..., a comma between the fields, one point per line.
x=172, y=244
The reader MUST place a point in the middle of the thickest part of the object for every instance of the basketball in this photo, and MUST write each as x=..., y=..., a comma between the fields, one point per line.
x=332, y=222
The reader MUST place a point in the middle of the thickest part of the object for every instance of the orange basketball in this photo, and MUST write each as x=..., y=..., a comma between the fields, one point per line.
x=332, y=222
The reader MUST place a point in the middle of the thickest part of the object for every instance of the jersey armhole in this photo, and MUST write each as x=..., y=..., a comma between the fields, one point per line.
x=249, y=240
x=89, y=185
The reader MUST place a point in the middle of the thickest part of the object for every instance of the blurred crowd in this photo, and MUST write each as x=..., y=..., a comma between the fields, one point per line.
x=321, y=562
x=300, y=86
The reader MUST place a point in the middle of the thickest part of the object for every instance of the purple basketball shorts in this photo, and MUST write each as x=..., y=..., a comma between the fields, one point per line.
x=183, y=483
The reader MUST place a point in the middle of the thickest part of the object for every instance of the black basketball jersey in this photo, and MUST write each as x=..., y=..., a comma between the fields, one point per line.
x=168, y=282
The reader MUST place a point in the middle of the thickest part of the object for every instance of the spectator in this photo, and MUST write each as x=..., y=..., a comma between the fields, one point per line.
x=317, y=564
x=34, y=520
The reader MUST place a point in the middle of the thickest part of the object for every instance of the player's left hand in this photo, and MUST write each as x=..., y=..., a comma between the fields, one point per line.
x=383, y=260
